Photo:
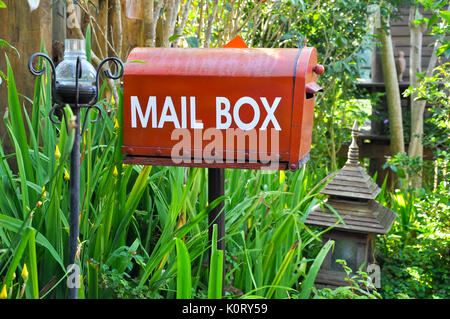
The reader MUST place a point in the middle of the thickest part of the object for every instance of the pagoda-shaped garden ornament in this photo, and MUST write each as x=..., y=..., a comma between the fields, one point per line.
x=352, y=196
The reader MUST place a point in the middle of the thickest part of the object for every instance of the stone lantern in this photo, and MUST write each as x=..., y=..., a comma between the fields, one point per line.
x=352, y=195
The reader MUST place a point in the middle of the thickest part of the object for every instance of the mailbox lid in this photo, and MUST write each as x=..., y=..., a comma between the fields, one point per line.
x=229, y=62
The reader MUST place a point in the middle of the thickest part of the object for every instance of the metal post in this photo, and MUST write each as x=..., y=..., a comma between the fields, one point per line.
x=216, y=189
x=74, y=197
x=74, y=228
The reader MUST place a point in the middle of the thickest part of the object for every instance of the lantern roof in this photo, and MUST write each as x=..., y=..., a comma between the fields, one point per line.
x=351, y=205
x=352, y=181
x=359, y=216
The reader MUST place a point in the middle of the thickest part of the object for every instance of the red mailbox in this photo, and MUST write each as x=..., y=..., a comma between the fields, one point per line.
x=227, y=107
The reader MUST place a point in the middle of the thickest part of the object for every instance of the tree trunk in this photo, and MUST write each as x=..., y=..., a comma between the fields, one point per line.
x=148, y=22
x=211, y=18
x=58, y=30
x=392, y=93
x=170, y=9
x=72, y=20
x=156, y=30
x=200, y=23
x=183, y=21
x=116, y=28
x=103, y=27
x=417, y=107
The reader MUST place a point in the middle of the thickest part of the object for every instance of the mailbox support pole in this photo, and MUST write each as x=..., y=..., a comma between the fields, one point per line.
x=216, y=189
x=74, y=228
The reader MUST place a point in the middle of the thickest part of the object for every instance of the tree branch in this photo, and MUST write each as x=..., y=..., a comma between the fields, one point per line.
x=210, y=23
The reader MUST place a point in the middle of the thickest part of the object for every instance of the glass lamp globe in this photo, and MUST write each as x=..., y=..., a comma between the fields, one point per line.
x=65, y=74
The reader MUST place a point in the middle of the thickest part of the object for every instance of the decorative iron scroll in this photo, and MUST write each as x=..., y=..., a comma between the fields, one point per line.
x=59, y=101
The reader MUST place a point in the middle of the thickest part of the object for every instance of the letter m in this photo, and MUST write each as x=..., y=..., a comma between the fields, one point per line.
x=136, y=108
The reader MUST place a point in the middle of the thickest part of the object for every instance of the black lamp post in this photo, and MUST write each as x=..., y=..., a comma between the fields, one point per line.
x=75, y=82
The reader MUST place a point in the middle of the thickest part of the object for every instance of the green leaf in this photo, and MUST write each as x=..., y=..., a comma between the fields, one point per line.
x=88, y=44
x=32, y=263
x=338, y=67
x=443, y=48
x=2, y=4
x=215, y=269
x=401, y=173
x=132, y=202
x=35, y=115
x=5, y=43
x=341, y=41
x=286, y=36
x=92, y=274
x=18, y=253
x=18, y=127
x=193, y=42
x=138, y=189
x=432, y=20
x=445, y=15
x=134, y=61
x=174, y=37
x=22, y=174
x=308, y=283
x=281, y=271
x=184, y=280
x=14, y=225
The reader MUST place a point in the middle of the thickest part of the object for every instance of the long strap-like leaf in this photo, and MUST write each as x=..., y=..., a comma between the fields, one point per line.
x=184, y=280
x=308, y=283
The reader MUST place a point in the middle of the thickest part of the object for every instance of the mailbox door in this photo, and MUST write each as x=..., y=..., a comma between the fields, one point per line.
x=303, y=107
